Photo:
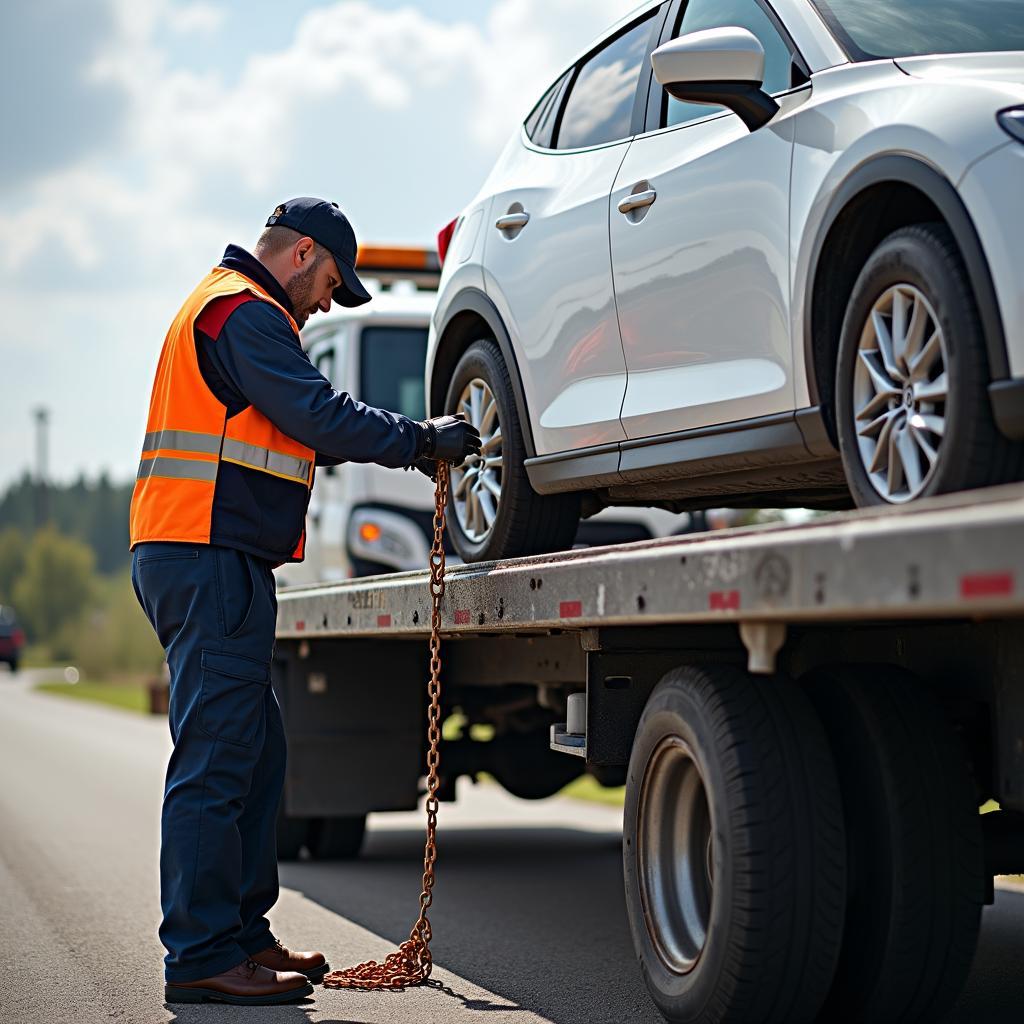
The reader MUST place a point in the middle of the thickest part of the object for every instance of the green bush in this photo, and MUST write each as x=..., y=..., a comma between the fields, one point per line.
x=12, y=561
x=114, y=637
x=56, y=586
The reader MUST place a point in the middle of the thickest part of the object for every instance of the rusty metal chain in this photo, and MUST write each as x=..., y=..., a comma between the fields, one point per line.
x=412, y=962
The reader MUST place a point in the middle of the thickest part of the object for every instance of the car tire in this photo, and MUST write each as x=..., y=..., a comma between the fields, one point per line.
x=734, y=850
x=915, y=850
x=524, y=522
x=886, y=408
x=339, y=838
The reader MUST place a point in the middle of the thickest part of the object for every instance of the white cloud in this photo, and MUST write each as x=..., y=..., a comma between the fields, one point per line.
x=392, y=106
x=196, y=19
x=186, y=125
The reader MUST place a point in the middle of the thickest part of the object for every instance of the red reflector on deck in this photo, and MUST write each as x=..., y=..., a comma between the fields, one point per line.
x=724, y=600
x=300, y=626
x=987, y=584
x=462, y=617
x=383, y=620
x=570, y=609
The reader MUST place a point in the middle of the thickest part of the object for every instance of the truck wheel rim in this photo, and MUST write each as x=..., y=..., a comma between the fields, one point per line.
x=476, y=484
x=675, y=855
x=899, y=394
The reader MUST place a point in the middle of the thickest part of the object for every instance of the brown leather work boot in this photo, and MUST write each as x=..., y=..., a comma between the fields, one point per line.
x=248, y=984
x=279, y=958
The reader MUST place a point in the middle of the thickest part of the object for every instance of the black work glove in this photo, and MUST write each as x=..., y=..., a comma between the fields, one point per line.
x=428, y=467
x=451, y=439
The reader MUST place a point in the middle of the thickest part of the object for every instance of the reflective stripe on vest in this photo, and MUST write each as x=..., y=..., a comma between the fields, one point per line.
x=266, y=461
x=177, y=469
x=182, y=441
x=252, y=456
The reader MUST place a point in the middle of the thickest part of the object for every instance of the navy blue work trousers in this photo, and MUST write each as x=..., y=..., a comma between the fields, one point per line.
x=214, y=610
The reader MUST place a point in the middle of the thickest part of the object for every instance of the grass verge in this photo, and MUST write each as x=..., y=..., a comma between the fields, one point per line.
x=586, y=787
x=129, y=696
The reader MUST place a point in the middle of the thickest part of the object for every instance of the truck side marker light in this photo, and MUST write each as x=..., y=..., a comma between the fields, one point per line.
x=570, y=609
x=370, y=532
x=383, y=621
x=300, y=625
x=724, y=600
x=462, y=617
x=987, y=584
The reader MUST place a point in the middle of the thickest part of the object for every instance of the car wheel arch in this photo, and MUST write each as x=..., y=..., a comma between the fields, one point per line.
x=880, y=196
x=470, y=316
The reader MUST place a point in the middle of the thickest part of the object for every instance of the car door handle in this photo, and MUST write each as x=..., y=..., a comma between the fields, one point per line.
x=511, y=221
x=637, y=201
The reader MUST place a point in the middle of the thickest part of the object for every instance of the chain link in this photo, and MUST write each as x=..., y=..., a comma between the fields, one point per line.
x=412, y=962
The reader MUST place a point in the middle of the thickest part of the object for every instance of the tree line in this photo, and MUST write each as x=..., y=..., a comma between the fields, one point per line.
x=68, y=580
x=94, y=512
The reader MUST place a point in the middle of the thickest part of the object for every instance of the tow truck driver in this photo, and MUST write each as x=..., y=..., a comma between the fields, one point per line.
x=238, y=419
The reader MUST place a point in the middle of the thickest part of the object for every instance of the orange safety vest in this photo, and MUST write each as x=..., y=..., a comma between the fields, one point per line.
x=189, y=434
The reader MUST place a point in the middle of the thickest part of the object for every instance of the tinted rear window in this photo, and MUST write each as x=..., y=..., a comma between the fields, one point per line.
x=540, y=124
x=392, y=362
x=600, y=104
x=910, y=28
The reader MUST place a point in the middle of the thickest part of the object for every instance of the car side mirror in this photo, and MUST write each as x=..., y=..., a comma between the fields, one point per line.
x=719, y=66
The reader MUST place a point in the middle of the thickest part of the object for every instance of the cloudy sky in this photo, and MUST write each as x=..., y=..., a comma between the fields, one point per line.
x=139, y=136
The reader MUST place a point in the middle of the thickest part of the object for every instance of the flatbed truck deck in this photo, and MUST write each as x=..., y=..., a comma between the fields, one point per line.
x=806, y=719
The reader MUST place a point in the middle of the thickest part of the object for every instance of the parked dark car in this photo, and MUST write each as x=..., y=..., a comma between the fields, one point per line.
x=12, y=639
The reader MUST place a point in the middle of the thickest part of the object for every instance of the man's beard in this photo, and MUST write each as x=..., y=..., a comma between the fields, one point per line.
x=300, y=291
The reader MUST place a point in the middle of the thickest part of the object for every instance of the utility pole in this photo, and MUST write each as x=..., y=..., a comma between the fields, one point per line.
x=42, y=497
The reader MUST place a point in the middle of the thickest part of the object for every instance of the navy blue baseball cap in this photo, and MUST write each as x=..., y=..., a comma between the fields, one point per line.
x=326, y=224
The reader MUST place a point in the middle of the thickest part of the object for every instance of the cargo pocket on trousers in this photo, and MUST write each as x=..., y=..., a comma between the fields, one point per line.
x=231, y=702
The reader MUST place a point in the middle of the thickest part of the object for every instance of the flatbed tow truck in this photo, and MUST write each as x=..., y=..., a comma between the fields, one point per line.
x=806, y=719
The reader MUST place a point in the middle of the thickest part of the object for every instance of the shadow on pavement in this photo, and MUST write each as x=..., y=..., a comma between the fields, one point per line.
x=200, y=1013
x=533, y=915
x=536, y=916
x=297, y=1013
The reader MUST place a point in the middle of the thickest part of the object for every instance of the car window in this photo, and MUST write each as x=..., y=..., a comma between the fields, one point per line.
x=701, y=14
x=600, y=104
x=906, y=28
x=540, y=124
x=392, y=362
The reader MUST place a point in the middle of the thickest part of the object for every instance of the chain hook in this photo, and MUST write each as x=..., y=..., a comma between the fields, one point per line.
x=412, y=962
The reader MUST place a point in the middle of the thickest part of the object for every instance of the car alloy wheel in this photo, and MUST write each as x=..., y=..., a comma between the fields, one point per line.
x=476, y=484
x=495, y=513
x=900, y=389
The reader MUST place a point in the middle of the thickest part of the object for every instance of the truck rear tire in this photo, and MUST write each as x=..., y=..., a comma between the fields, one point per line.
x=916, y=855
x=734, y=850
x=337, y=838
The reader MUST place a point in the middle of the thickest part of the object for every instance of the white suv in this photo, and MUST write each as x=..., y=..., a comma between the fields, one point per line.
x=365, y=519
x=809, y=294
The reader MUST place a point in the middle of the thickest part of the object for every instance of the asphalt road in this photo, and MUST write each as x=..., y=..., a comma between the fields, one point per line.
x=529, y=920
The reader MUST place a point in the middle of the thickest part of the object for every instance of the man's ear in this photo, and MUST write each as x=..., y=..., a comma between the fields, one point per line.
x=303, y=252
